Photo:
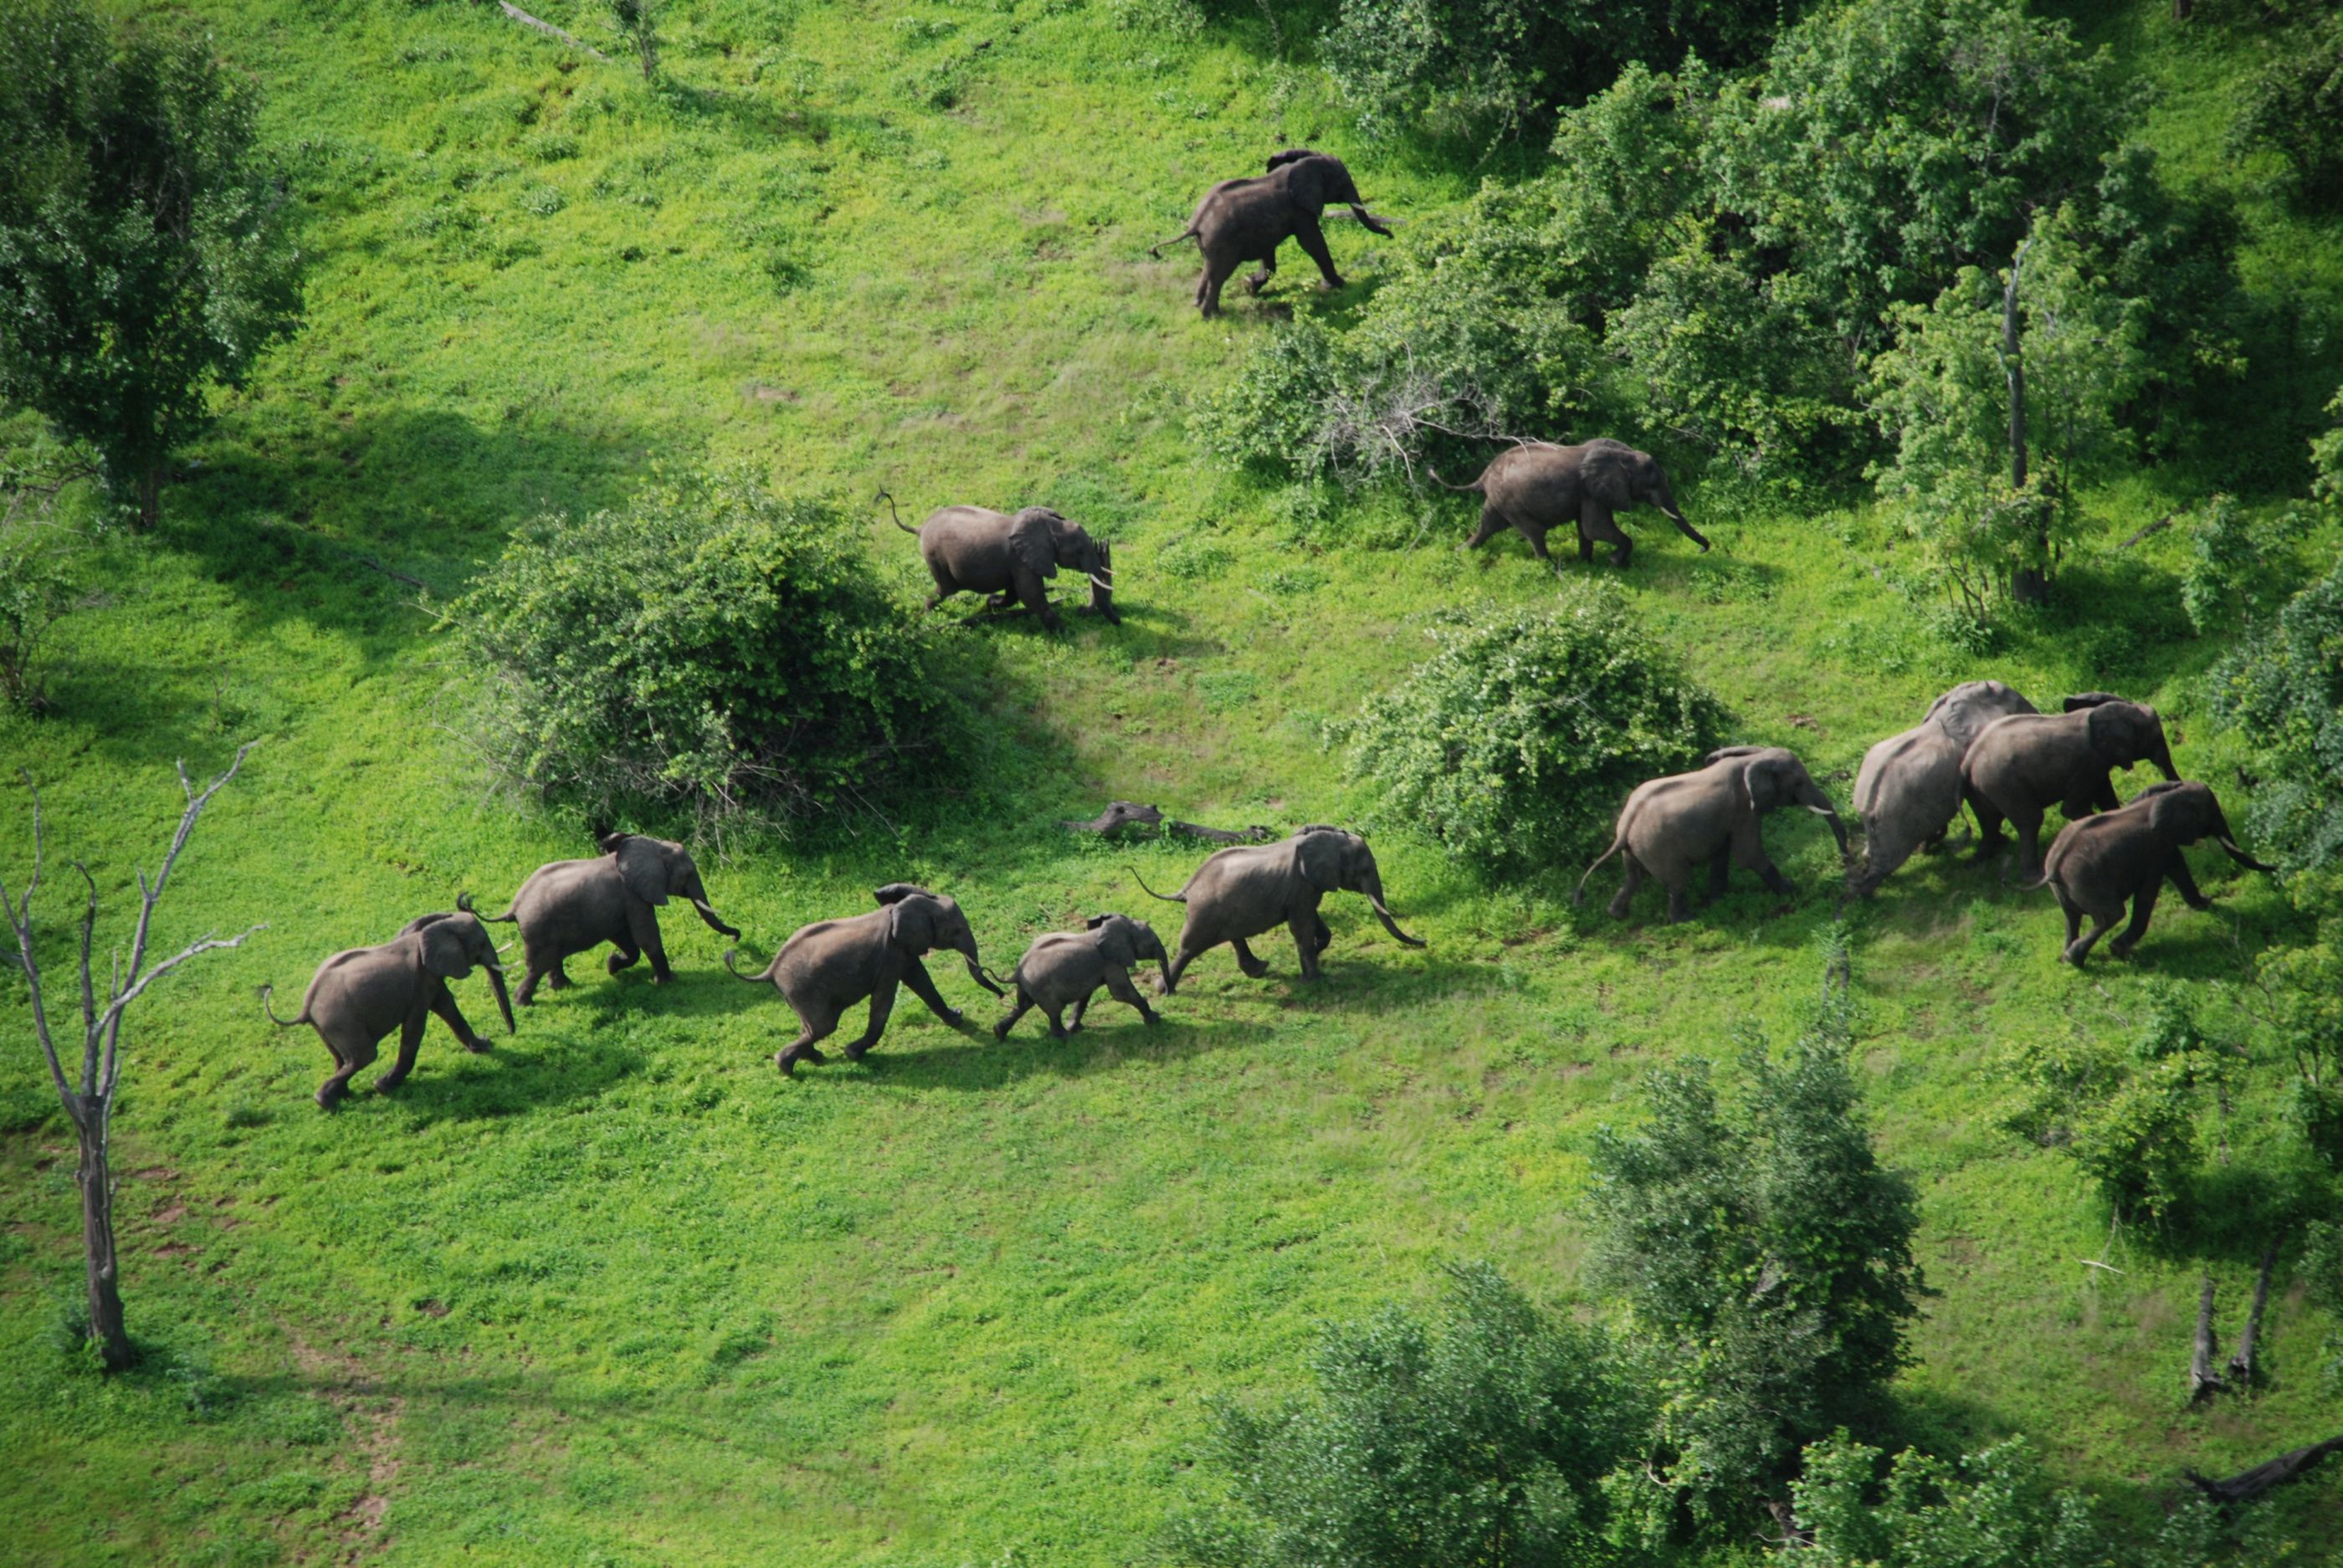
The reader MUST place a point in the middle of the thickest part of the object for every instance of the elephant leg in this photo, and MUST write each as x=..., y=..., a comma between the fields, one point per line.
x=1024, y=1005
x=1586, y=545
x=1720, y=871
x=1208, y=288
x=1034, y=592
x=1679, y=905
x=348, y=1055
x=2074, y=913
x=643, y=929
x=557, y=978
x=1254, y=967
x=1118, y=986
x=1315, y=241
x=2076, y=951
x=1989, y=820
x=2029, y=845
x=814, y=1023
x=2143, y=905
x=1057, y=1022
x=882, y=1002
x=536, y=965
x=444, y=1004
x=1493, y=523
x=915, y=975
x=2185, y=884
x=1260, y=279
x=1187, y=953
x=1595, y=523
x=1536, y=537
x=410, y=1040
x=1628, y=885
x=1748, y=850
x=624, y=958
x=1306, y=944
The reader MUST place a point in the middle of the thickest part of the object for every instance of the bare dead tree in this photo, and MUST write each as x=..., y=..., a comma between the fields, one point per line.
x=2248, y=1484
x=88, y=1098
x=2202, y=1379
x=2241, y=1364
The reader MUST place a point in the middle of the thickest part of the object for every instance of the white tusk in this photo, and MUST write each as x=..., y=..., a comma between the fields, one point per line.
x=1103, y=585
x=1821, y=810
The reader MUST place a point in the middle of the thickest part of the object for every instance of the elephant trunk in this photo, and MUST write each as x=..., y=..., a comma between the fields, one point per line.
x=1102, y=577
x=1837, y=827
x=504, y=1000
x=976, y=970
x=1665, y=498
x=1374, y=892
x=714, y=922
x=2230, y=846
x=2162, y=758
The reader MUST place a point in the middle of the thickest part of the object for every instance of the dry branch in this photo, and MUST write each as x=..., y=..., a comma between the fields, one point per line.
x=525, y=20
x=2248, y=1484
x=1123, y=817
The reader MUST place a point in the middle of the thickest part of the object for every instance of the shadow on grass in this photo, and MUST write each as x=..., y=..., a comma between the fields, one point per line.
x=507, y=1082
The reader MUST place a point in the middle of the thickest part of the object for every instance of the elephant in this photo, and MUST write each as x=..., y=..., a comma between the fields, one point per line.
x=978, y=551
x=360, y=995
x=1248, y=889
x=1065, y=969
x=2021, y=766
x=1245, y=220
x=2097, y=863
x=829, y=966
x=1909, y=789
x=1671, y=827
x=1538, y=487
x=569, y=906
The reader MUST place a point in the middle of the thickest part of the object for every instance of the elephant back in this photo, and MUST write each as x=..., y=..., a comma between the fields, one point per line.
x=1922, y=751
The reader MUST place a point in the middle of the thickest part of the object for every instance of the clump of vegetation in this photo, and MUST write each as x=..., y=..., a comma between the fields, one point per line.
x=1765, y=1255
x=144, y=252
x=36, y=591
x=2294, y=105
x=710, y=647
x=1476, y=1436
x=2283, y=688
x=1514, y=743
x=1996, y=1509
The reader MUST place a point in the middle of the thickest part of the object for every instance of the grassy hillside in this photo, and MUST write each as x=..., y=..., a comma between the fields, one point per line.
x=618, y=1292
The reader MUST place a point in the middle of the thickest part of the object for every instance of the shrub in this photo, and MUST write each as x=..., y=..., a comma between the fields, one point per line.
x=1993, y=1510
x=1766, y=1254
x=2294, y=105
x=144, y=251
x=2283, y=688
x=1515, y=741
x=1475, y=1437
x=711, y=648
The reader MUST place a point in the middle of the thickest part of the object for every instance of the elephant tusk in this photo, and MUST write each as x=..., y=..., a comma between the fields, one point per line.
x=1101, y=585
x=1821, y=810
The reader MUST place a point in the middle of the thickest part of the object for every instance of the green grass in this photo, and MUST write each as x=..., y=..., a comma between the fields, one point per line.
x=618, y=1292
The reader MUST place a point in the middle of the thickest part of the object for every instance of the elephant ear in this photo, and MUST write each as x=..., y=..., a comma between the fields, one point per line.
x=1095, y=922
x=2082, y=700
x=2176, y=812
x=911, y=922
x=1033, y=540
x=1763, y=782
x=1289, y=155
x=1318, y=857
x=443, y=949
x=642, y=867
x=2110, y=724
x=896, y=893
x=1114, y=944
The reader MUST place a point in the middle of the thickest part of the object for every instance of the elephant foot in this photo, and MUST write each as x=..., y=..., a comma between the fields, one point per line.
x=327, y=1100
x=2121, y=950
x=388, y=1081
x=618, y=961
x=1000, y=1029
x=477, y=1046
x=662, y=977
x=2069, y=956
x=1329, y=284
x=1149, y=1017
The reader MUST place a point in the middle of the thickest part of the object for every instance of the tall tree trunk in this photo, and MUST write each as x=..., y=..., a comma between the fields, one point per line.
x=97, y=1180
x=2028, y=585
x=150, y=497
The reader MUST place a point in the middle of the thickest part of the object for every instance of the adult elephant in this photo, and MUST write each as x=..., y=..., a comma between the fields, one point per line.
x=1537, y=487
x=1670, y=827
x=829, y=966
x=2098, y=865
x=360, y=995
x=2021, y=766
x=1063, y=969
x=973, y=550
x=568, y=906
x=1246, y=220
x=1909, y=789
x=1248, y=889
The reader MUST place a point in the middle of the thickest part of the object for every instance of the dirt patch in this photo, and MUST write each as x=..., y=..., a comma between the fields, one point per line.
x=371, y=1415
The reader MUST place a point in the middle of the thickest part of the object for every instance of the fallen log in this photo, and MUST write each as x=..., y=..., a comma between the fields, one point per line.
x=1123, y=816
x=2202, y=1379
x=2241, y=1364
x=2248, y=1484
x=1119, y=816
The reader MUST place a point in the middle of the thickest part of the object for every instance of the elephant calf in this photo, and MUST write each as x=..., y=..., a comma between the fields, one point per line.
x=2099, y=864
x=569, y=907
x=1065, y=969
x=1670, y=827
x=1252, y=888
x=972, y=549
x=1536, y=487
x=1910, y=788
x=358, y=996
x=1243, y=221
x=829, y=966
x=2021, y=766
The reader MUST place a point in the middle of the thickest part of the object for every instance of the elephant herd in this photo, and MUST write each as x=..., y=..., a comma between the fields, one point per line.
x=1981, y=745
x=569, y=907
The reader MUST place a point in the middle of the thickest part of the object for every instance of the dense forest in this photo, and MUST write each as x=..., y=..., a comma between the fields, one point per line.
x=1704, y=1082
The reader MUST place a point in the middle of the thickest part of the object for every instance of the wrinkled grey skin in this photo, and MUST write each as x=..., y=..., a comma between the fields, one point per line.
x=1538, y=488
x=971, y=549
x=571, y=906
x=358, y=996
x=1910, y=789
x=1246, y=220
x=1670, y=827
x=1065, y=969
x=1252, y=888
x=2022, y=766
x=2099, y=863
x=831, y=965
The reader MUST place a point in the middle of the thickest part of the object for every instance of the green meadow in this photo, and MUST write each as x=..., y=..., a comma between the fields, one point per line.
x=618, y=1292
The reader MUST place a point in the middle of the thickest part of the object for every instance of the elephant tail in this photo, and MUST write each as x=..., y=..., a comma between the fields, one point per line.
x=1579, y=894
x=1474, y=488
x=1192, y=232
x=265, y=993
x=756, y=978
x=2037, y=884
x=1167, y=898
x=883, y=496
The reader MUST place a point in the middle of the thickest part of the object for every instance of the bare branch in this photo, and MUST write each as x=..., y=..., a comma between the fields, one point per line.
x=111, y=1021
x=88, y=995
x=20, y=922
x=548, y=28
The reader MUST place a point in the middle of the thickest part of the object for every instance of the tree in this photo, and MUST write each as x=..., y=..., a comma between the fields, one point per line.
x=1764, y=1253
x=89, y=1098
x=1993, y=1510
x=145, y=254
x=637, y=24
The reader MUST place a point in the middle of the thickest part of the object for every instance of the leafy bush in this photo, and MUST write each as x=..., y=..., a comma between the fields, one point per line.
x=1514, y=743
x=2283, y=688
x=1993, y=1510
x=144, y=250
x=36, y=593
x=711, y=648
x=1473, y=1438
x=1766, y=1254
x=2295, y=105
